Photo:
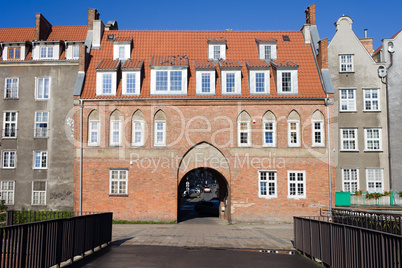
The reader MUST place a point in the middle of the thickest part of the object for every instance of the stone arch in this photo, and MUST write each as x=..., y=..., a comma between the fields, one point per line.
x=160, y=115
x=317, y=115
x=116, y=115
x=244, y=116
x=269, y=116
x=93, y=115
x=206, y=156
x=293, y=115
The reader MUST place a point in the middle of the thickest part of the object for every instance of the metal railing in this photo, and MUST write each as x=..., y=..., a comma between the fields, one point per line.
x=389, y=222
x=26, y=216
x=51, y=242
x=340, y=245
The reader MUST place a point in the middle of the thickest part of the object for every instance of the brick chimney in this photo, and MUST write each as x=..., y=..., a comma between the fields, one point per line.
x=322, y=57
x=368, y=44
x=82, y=61
x=92, y=15
x=42, y=27
x=310, y=15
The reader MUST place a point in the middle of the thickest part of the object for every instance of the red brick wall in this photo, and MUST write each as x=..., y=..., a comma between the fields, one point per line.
x=152, y=192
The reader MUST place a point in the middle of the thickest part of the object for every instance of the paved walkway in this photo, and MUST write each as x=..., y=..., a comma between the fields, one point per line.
x=206, y=233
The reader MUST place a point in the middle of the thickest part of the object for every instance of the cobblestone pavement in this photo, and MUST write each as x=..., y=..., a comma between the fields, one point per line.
x=206, y=232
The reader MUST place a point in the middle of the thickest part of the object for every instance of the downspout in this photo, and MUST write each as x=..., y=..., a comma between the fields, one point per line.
x=329, y=159
x=81, y=152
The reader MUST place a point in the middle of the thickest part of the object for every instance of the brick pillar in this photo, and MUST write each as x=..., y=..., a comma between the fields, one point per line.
x=310, y=15
x=92, y=15
x=368, y=44
x=42, y=27
x=82, y=61
x=322, y=57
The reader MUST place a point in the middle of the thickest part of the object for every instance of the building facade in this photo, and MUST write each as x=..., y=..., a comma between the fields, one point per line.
x=390, y=57
x=360, y=112
x=38, y=67
x=251, y=108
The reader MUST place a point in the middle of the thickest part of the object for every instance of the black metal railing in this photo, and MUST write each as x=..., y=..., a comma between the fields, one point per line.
x=340, y=245
x=26, y=216
x=51, y=242
x=389, y=222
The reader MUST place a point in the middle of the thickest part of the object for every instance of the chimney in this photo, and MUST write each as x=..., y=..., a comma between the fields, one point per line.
x=322, y=57
x=367, y=42
x=82, y=61
x=42, y=27
x=310, y=15
x=92, y=15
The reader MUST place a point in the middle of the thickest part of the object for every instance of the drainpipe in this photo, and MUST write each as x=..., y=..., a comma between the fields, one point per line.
x=81, y=152
x=329, y=160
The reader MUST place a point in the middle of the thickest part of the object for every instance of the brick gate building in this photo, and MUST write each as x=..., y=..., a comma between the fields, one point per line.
x=252, y=107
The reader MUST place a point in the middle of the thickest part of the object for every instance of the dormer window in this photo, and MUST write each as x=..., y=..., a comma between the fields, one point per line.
x=131, y=73
x=49, y=50
x=169, y=75
x=286, y=77
x=106, y=77
x=73, y=50
x=230, y=77
x=14, y=53
x=259, y=75
x=217, y=48
x=122, y=48
x=267, y=49
x=205, y=77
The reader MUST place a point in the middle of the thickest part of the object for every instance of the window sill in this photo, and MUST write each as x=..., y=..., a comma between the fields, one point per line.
x=137, y=145
x=159, y=146
x=12, y=98
x=297, y=198
x=349, y=151
x=9, y=168
x=318, y=146
x=39, y=168
x=93, y=145
x=294, y=146
x=268, y=197
x=373, y=151
x=347, y=72
x=118, y=195
x=371, y=111
x=269, y=145
x=9, y=138
x=47, y=137
x=348, y=111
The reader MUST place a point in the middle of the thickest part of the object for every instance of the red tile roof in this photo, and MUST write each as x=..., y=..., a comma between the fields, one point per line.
x=240, y=45
x=179, y=60
x=270, y=40
x=107, y=64
x=123, y=39
x=284, y=63
x=216, y=40
x=70, y=33
x=229, y=64
x=257, y=63
x=206, y=64
x=132, y=64
x=10, y=35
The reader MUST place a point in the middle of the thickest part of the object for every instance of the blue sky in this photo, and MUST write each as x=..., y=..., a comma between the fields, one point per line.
x=381, y=20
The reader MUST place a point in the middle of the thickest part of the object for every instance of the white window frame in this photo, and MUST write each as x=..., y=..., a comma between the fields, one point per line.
x=293, y=82
x=320, y=131
x=253, y=80
x=119, y=181
x=100, y=80
x=137, y=82
x=11, y=161
x=370, y=101
x=247, y=131
x=348, y=101
x=199, y=76
x=163, y=131
x=9, y=124
x=297, y=131
x=41, y=195
x=262, y=55
x=6, y=54
x=75, y=51
x=168, y=90
x=211, y=50
x=297, y=194
x=270, y=181
x=12, y=91
x=117, y=51
x=237, y=82
x=7, y=189
x=368, y=139
x=346, y=66
x=350, y=176
x=348, y=139
x=41, y=132
x=46, y=49
x=41, y=155
x=40, y=93
x=273, y=131
x=378, y=177
x=92, y=131
x=141, y=131
x=113, y=130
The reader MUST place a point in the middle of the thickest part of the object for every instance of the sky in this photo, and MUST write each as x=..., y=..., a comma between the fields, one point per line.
x=381, y=20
